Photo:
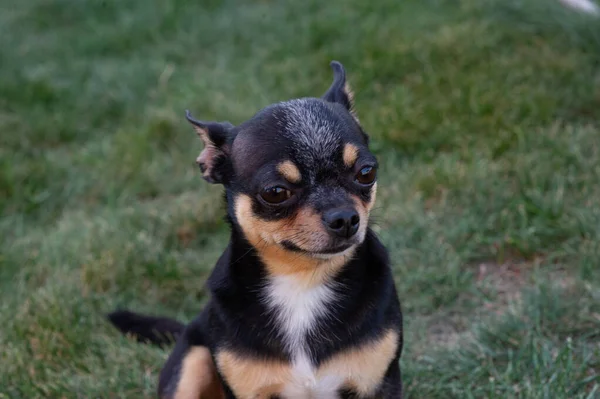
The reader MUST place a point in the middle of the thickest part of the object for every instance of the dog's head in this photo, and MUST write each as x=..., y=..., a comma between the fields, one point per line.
x=299, y=176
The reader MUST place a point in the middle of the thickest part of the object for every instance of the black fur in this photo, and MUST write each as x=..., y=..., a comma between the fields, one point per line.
x=312, y=132
x=147, y=329
x=337, y=92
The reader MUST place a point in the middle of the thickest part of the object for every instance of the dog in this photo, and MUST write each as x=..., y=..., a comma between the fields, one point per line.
x=303, y=302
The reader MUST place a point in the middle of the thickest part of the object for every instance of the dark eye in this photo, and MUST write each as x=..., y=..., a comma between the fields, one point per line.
x=275, y=195
x=366, y=175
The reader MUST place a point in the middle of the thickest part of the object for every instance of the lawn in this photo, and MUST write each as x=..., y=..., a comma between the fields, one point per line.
x=483, y=115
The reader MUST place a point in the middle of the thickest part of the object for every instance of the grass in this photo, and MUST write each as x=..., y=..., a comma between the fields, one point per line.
x=482, y=114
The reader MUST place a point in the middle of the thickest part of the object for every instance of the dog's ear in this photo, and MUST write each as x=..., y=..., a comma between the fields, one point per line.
x=214, y=158
x=340, y=91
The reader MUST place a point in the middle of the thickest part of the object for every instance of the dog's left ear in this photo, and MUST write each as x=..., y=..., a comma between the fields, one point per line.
x=340, y=91
x=214, y=158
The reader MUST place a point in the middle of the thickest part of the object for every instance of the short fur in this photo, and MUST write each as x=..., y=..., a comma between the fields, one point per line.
x=303, y=303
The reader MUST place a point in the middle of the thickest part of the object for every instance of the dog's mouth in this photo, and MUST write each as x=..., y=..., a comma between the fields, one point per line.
x=332, y=250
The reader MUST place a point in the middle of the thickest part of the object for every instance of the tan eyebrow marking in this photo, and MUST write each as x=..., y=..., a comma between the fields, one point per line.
x=350, y=154
x=289, y=171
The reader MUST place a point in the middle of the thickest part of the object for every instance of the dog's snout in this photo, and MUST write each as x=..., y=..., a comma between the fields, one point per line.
x=342, y=222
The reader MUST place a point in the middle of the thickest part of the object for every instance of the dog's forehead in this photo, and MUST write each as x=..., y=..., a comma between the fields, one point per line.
x=314, y=130
x=310, y=132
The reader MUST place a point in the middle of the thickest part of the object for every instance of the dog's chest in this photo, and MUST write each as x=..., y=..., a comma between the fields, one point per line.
x=300, y=310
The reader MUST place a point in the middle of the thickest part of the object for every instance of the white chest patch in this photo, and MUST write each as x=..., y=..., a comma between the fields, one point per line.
x=297, y=309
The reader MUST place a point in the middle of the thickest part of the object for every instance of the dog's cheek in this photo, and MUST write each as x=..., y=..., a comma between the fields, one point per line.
x=304, y=229
x=371, y=201
x=364, y=209
x=258, y=231
x=251, y=225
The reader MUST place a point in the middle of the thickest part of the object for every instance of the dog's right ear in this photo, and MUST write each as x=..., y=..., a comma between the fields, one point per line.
x=214, y=158
x=340, y=91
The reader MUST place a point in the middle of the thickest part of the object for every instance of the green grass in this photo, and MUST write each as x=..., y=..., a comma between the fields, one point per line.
x=482, y=113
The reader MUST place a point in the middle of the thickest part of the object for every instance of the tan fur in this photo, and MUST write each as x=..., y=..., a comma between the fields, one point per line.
x=252, y=378
x=208, y=154
x=363, y=367
x=350, y=94
x=360, y=368
x=198, y=378
x=304, y=229
x=309, y=271
x=289, y=171
x=364, y=208
x=373, y=197
x=350, y=155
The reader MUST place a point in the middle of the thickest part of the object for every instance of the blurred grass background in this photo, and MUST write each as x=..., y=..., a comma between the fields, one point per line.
x=483, y=114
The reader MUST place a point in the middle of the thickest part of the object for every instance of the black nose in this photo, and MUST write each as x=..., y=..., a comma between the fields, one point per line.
x=342, y=222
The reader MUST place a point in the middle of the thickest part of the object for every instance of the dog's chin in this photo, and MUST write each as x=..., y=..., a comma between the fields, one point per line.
x=327, y=255
x=322, y=253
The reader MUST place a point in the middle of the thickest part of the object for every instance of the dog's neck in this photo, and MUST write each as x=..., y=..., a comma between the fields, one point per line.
x=245, y=267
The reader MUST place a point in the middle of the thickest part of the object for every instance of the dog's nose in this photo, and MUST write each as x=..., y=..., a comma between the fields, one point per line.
x=342, y=222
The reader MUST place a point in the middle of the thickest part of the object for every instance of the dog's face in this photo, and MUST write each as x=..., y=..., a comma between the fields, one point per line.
x=304, y=178
x=299, y=175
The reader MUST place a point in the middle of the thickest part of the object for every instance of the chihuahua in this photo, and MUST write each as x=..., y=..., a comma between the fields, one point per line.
x=303, y=302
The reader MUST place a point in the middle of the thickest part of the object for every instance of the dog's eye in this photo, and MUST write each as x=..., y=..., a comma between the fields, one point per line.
x=275, y=195
x=366, y=175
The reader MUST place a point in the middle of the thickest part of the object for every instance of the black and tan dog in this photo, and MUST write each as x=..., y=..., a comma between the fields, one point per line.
x=303, y=304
